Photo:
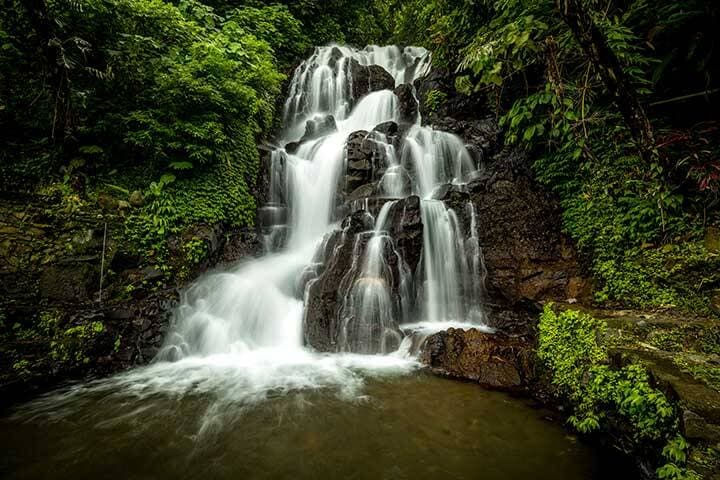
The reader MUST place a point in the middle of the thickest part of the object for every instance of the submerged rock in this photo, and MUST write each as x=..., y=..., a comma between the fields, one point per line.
x=494, y=361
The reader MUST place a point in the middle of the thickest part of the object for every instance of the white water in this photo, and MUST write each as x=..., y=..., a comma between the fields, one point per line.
x=240, y=332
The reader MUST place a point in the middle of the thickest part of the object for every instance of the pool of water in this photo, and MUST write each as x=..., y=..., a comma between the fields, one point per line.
x=368, y=424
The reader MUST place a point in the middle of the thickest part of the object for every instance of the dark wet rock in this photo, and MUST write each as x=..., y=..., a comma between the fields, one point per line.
x=363, y=191
x=406, y=228
x=441, y=82
x=151, y=274
x=494, y=361
x=387, y=128
x=271, y=215
x=365, y=159
x=335, y=55
x=268, y=158
x=68, y=282
x=481, y=136
x=369, y=78
x=391, y=133
x=696, y=427
x=240, y=245
x=326, y=307
x=321, y=325
x=407, y=104
x=339, y=268
x=527, y=257
x=318, y=127
x=292, y=147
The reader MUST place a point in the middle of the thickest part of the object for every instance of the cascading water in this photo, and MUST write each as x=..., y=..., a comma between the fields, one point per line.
x=234, y=392
x=258, y=306
x=369, y=313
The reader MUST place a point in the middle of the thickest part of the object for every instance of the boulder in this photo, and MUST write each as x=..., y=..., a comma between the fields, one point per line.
x=292, y=147
x=494, y=361
x=388, y=129
x=369, y=78
x=391, y=133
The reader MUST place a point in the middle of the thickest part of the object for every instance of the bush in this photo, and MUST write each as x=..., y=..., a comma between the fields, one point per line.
x=570, y=348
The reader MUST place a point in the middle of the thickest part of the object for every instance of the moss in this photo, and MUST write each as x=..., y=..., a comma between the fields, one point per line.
x=673, y=276
x=699, y=369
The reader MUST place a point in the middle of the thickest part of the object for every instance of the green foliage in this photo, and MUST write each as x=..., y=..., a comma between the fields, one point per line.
x=68, y=346
x=706, y=372
x=570, y=347
x=673, y=275
x=434, y=100
x=151, y=89
x=443, y=26
x=195, y=250
x=552, y=101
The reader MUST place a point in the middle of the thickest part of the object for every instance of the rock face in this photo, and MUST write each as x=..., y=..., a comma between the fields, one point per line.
x=368, y=79
x=440, y=83
x=493, y=360
x=50, y=265
x=408, y=106
x=341, y=259
x=407, y=230
x=320, y=325
x=528, y=259
x=365, y=160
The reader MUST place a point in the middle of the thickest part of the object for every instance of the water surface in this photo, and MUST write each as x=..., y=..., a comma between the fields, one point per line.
x=382, y=426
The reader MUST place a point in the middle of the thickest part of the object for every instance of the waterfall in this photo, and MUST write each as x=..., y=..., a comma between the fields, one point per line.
x=259, y=305
x=369, y=313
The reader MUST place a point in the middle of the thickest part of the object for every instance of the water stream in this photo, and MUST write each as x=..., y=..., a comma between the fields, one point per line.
x=235, y=393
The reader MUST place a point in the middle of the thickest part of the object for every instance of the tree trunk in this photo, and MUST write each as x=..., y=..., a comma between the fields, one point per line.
x=593, y=42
